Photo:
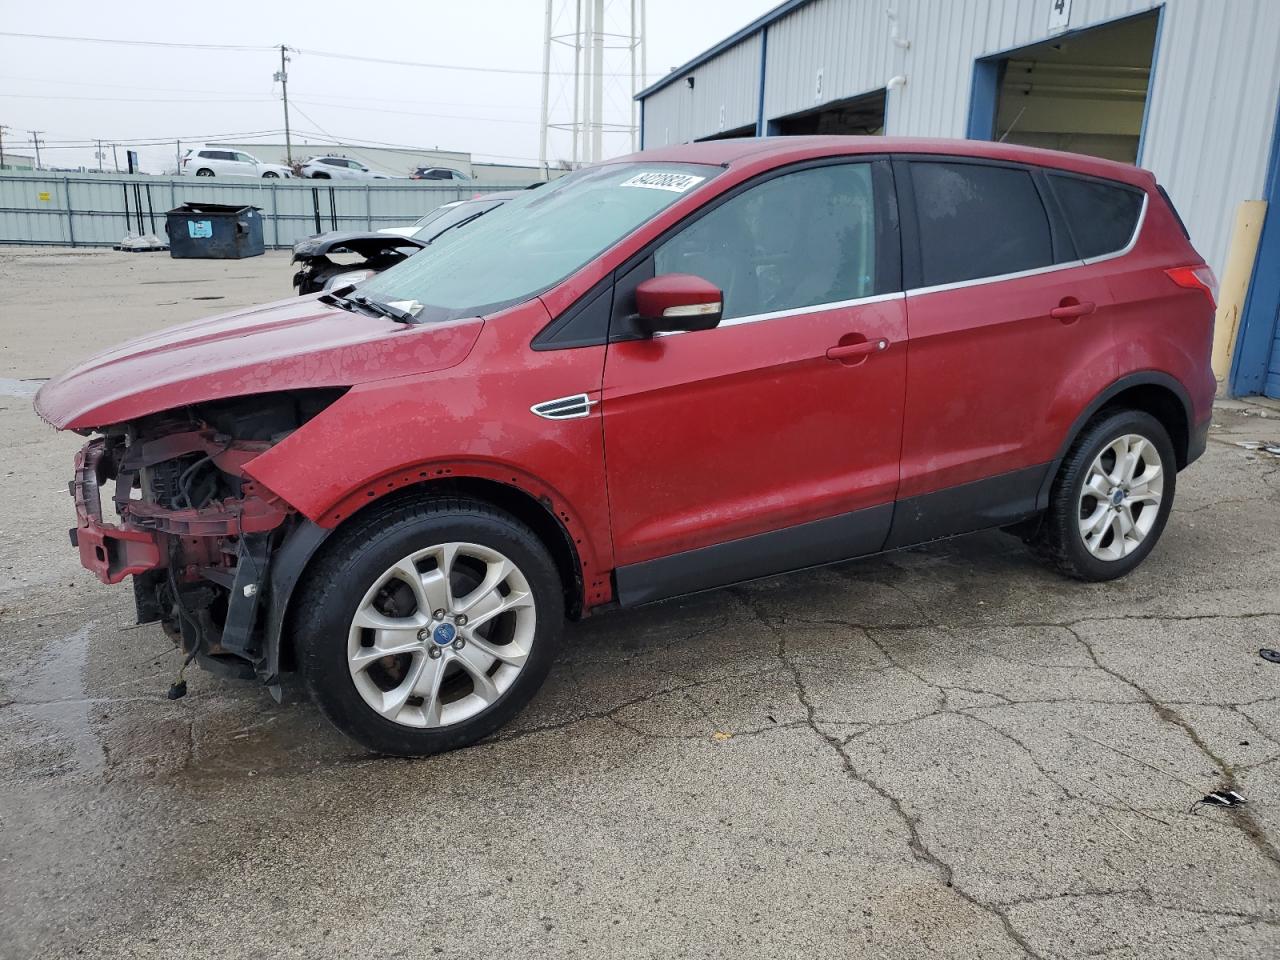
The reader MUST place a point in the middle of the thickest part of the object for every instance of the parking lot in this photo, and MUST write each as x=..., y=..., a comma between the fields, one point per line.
x=945, y=751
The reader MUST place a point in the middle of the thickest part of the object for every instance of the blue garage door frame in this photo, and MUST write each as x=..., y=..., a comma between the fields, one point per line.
x=984, y=88
x=1256, y=366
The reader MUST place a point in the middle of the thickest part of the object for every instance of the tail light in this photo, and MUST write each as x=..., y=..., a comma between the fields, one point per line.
x=1196, y=278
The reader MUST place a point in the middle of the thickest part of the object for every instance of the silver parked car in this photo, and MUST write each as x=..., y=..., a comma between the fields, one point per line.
x=340, y=168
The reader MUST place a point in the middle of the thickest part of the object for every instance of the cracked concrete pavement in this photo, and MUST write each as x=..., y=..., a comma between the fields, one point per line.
x=946, y=751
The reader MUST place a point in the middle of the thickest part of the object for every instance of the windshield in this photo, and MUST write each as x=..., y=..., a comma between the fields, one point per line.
x=534, y=240
x=451, y=217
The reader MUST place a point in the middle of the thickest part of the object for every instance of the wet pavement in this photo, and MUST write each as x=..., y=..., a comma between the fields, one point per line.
x=946, y=751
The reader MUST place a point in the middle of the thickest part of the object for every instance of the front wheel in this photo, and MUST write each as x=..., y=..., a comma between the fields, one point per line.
x=272, y=174
x=1111, y=498
x=204, y=172
x=427, y=626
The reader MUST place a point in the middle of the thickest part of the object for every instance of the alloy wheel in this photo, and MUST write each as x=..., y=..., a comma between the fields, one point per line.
x=441, y=635
x=1120, y=499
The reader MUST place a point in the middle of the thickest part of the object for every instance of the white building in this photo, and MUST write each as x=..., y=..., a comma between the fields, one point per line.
x=400, y=162
x=1185, y=88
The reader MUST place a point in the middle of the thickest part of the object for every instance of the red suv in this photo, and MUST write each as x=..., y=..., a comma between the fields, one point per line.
x=685, y=368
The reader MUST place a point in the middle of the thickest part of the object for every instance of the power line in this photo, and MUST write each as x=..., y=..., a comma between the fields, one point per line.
x=436, y=66
x=43, y=96
x=138, y=43
x=327, y=54
x=411, y=113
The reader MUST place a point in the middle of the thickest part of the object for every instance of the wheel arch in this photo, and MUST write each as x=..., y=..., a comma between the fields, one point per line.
x=1151, y=391
x=584, y=585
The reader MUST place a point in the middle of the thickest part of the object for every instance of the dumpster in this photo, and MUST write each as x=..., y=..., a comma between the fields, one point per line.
x=214, y=231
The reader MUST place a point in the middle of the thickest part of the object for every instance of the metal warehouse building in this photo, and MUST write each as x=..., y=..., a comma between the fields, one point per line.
x=1186, y=88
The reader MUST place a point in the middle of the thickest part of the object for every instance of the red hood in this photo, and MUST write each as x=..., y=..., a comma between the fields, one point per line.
x=289, y=345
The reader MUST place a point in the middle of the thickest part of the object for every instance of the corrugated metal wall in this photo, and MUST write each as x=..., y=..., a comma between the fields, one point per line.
x=1212, y=107
x=725, y=97
x=847, y=42
x=90, y=209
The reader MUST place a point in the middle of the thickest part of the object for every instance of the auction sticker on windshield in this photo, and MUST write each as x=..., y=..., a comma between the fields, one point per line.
x=675, y=182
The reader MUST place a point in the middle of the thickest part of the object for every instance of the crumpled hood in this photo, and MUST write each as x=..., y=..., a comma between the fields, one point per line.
x=363, y=243
x=289, y=345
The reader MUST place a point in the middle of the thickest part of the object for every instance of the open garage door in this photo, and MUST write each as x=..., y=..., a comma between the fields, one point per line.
x=1085, y=91
x=862, y=114
x=747, y=131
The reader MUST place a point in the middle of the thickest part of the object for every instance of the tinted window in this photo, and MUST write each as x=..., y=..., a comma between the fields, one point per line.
x=978, y=221
x=1101, y=216
x=797, y=240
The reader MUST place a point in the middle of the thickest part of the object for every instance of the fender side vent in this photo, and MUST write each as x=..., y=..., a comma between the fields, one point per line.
x=565, y=408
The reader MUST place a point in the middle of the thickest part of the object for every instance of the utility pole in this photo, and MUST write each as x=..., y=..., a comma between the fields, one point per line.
x=283, y=77
x=546, y=91
x=100, y=155
x=35, y=138
x=3, y=128
x=115, y=158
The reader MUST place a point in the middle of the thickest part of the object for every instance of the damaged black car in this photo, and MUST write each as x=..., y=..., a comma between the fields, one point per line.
x=340, y=258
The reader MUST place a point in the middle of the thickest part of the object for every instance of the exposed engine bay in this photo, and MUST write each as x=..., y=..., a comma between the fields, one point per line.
x=194, y=531
x=357, y=253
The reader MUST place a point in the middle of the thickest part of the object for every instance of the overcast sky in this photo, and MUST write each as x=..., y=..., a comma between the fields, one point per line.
x=82, y=91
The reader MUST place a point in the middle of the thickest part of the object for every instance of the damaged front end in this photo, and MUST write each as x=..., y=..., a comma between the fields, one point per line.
x=361, y=255
x=196, y=533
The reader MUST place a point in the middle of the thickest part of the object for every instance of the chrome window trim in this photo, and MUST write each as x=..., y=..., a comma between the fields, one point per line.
x=792, y=312
x=978, y=281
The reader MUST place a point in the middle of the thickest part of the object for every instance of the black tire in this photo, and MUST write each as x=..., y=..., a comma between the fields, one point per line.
x=272, y=174
x=349, y=566
x=320, y=176
x=1058, y=539
x=204, y=172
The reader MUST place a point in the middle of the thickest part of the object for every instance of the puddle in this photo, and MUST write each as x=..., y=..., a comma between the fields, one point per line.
x=55, y=694
x=19, y=388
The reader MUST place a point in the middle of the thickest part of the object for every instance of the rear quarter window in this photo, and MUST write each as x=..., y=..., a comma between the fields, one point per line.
x=978, y=220
x=1100, y=216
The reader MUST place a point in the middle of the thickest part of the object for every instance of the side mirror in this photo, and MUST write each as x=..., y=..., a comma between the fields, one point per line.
x=677, y=302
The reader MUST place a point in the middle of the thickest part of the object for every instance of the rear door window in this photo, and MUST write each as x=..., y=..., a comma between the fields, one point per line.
x=1100, y=216
x=978, y=220
x=799, y=240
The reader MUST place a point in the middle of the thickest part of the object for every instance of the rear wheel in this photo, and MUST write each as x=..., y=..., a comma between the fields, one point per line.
x=204, y=172
x=1111, y=498
x=320, y=176
x=429, y=625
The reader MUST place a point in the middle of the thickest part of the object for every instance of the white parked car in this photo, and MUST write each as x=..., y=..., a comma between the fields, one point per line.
x=216, y=162
x=340, y=168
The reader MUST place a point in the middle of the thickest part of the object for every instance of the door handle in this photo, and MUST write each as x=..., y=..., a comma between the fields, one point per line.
x=854, y=351
x=1071, y=309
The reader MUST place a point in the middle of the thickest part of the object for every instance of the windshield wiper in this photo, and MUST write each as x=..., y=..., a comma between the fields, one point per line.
x=457, y=226
x=385, y=309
